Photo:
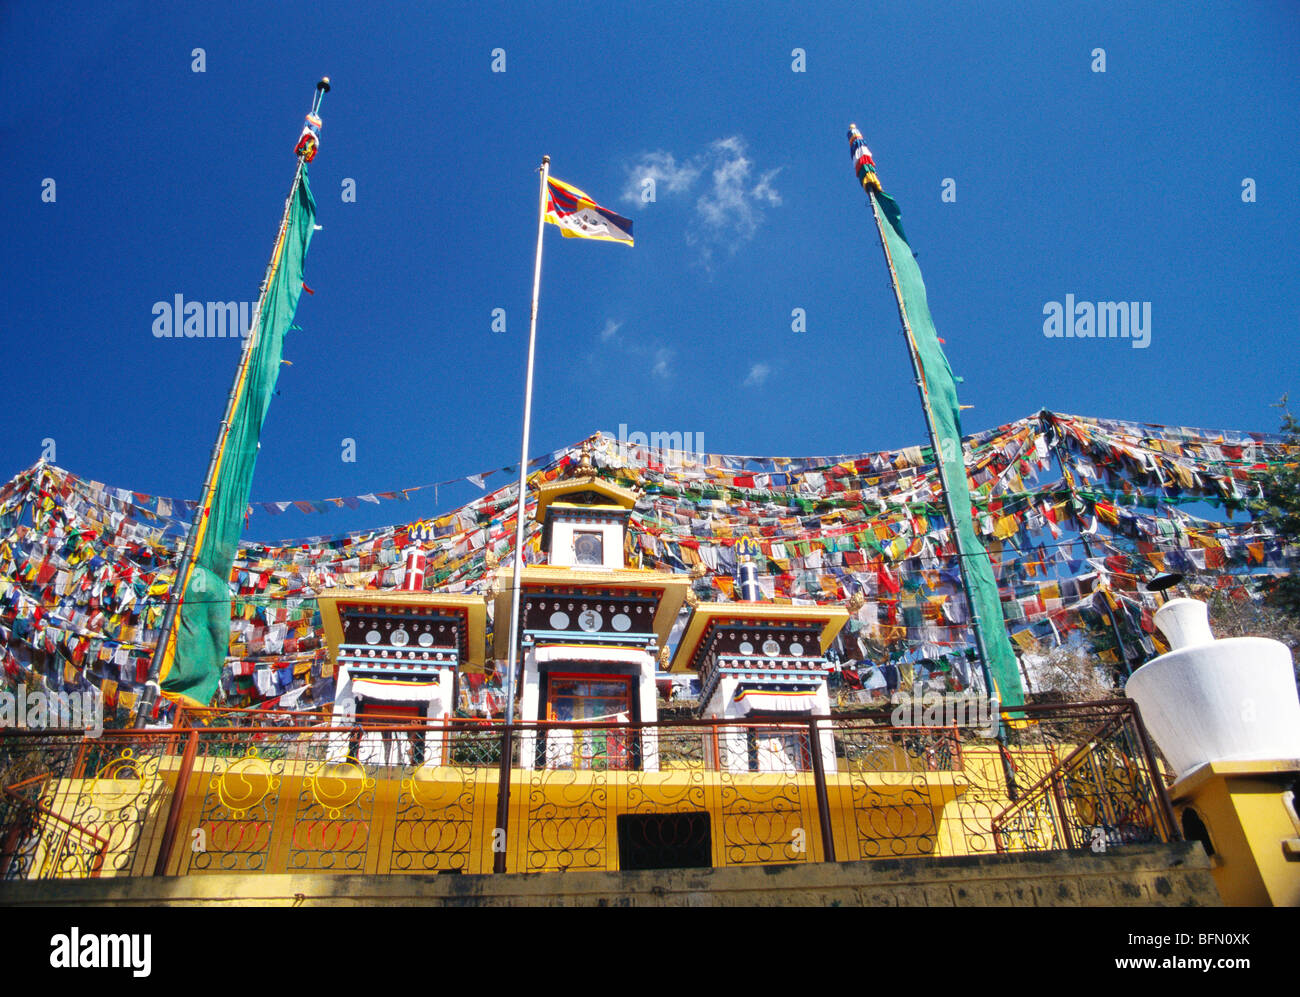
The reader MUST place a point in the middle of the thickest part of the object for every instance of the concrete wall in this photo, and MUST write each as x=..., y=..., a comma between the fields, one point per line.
x=1136, y=876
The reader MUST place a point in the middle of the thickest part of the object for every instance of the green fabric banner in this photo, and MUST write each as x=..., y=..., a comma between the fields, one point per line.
x=202, y=633
x=941, y=387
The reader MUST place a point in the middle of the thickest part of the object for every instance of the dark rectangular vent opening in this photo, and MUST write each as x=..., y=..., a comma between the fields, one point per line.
x=664, y=841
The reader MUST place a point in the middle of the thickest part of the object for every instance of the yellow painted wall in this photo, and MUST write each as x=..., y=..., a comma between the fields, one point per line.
x=1241, y=804
x=304, y=816
x=273, y=815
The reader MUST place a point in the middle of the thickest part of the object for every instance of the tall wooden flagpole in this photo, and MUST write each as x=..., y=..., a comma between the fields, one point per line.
x=167, y=637
x=865, y=168
x=924, y=392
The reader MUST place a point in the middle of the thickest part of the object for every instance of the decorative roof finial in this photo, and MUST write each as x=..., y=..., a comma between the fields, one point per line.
x=585, y=465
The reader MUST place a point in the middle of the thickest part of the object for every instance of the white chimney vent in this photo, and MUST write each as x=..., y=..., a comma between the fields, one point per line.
x=1213, y=700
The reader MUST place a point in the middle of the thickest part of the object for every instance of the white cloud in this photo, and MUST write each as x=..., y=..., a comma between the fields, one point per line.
x=764, y=191
x=638, y=351
x=757, y=375
x=663, y=363
x=670, y=177
x=731, y=205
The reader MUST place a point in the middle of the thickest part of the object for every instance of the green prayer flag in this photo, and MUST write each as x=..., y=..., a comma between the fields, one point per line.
x=946, y=417
x=203, y=620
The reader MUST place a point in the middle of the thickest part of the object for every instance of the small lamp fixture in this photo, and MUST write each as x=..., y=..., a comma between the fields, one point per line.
x=1162, y=581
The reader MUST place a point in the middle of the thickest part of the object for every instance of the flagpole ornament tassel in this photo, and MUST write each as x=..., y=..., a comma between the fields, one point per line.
x=862, y=161
x=309, y=141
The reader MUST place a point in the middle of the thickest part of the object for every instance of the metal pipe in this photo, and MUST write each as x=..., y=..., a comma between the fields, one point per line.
x=1062, y=813
x=1157, y=780
x=819, y=785
x=512, y=655
x=177, y=804
x=503, y=803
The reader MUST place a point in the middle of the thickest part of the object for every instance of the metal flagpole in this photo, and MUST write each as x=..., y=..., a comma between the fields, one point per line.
x=167, y=637
x=934, y=443
x=515, y=582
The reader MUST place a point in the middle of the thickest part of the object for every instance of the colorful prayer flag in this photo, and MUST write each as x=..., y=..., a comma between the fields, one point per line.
x=192, y=663
x=940, y=391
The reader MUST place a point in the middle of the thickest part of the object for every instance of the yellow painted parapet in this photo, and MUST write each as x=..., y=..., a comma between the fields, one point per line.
x=383, y=800
x=256, y=813
x=250, y=819
x=1244, y=813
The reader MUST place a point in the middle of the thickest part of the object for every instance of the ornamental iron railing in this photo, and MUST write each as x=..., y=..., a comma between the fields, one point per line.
x=259, y=791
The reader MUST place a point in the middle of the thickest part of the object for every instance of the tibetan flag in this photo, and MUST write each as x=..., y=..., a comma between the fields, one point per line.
x=579, y=217
x=195, y=656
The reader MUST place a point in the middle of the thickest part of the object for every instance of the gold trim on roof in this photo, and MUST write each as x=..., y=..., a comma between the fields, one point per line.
x=832, y=619
x=553, y=491
x=671, y=589
x=474, y=606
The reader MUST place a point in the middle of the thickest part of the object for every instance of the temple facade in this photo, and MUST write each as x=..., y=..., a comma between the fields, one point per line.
x=592, y=631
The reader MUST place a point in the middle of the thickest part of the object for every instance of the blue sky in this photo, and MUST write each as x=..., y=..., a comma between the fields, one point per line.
x=1118, y=185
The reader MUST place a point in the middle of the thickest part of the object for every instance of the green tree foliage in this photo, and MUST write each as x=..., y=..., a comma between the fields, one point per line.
x=1280, y=511
x=1068, y=672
